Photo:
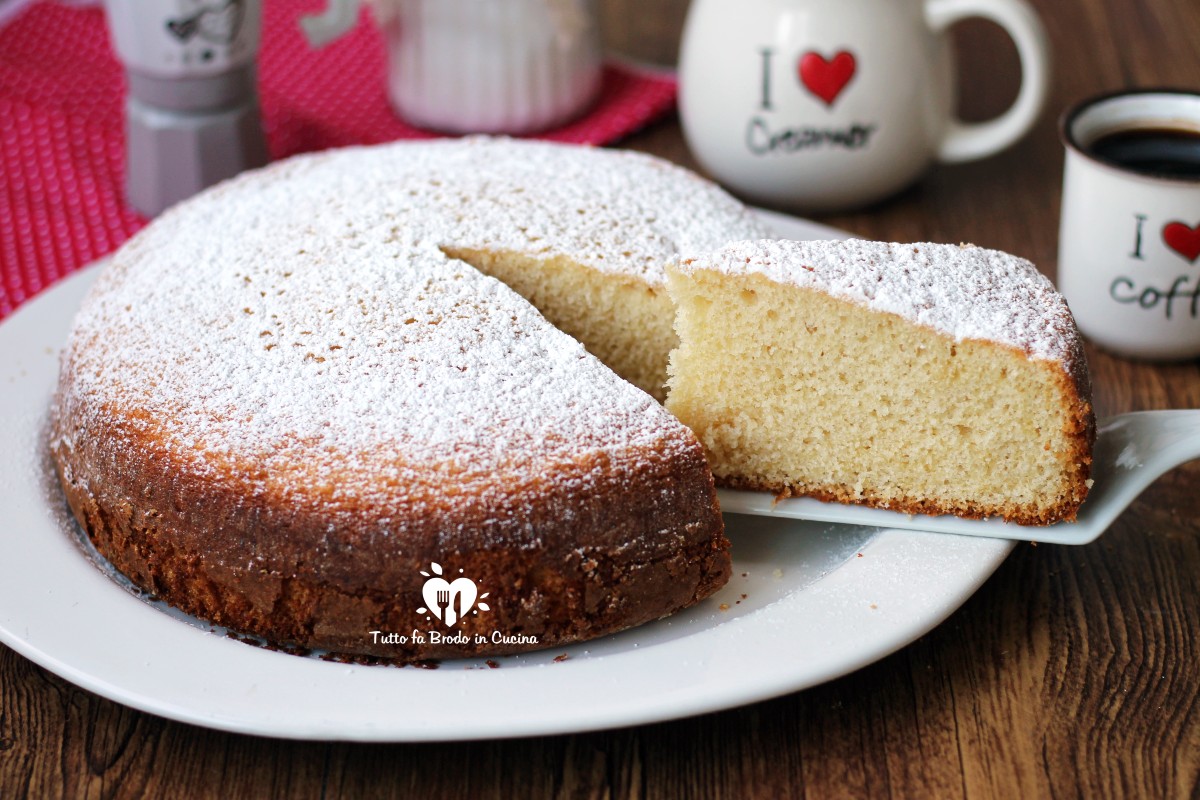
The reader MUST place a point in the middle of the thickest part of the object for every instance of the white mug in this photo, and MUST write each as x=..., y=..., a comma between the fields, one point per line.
x=829, y=104
x=480, y=66
x=1129, y=238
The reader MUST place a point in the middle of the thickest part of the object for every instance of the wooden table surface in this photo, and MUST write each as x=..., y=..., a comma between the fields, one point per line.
x=1072, y=672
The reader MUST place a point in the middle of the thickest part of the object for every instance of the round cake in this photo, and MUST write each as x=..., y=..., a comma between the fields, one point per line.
x=290, y=407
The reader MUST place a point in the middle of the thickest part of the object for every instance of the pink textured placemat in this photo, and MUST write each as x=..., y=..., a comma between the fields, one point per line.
x=62, y=153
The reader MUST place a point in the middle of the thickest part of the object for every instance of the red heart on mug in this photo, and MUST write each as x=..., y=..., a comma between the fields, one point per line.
x=1183, y=239
x=827, y=78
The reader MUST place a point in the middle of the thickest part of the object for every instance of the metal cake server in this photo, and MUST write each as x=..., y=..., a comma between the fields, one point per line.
x=1132, y=450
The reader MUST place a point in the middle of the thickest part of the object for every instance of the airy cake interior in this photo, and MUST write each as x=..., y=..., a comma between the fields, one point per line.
x=794, y=391
x=624, y=322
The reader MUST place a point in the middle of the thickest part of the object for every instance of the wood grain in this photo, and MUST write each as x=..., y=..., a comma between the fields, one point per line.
x=1071, y=673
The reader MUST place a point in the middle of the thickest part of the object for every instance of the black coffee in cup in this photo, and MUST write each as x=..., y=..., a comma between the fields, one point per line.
x=1157, y=151
x=1129, y=239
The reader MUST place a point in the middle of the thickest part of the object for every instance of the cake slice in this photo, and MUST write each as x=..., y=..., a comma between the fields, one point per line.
x=923, y=378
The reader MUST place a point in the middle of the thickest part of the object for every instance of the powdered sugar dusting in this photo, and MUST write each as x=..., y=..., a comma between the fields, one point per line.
x=964, y=291
x=305, y=319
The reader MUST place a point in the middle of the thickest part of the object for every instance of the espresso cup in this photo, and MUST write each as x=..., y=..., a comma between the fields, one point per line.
x=830, y=104
x=1129, y=239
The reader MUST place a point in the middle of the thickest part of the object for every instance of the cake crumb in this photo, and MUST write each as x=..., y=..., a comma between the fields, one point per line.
x=561, y=658
x=724, y=606
x=492, y=664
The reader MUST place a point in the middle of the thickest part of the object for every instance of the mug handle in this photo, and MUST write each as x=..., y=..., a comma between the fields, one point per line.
x=338, y=18
x=970, y=141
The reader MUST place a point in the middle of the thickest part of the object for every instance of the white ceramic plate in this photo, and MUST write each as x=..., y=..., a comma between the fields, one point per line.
x=807, y=603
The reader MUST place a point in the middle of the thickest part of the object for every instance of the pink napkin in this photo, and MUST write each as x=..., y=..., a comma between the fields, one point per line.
x=62, y=153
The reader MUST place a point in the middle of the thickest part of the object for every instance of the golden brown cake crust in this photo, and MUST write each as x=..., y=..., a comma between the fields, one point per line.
x=615, y=555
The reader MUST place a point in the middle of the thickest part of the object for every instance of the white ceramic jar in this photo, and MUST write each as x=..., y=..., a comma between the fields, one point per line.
x=481, y=66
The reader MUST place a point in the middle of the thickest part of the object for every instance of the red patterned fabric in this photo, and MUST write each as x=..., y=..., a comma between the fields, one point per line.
x=62, y=151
